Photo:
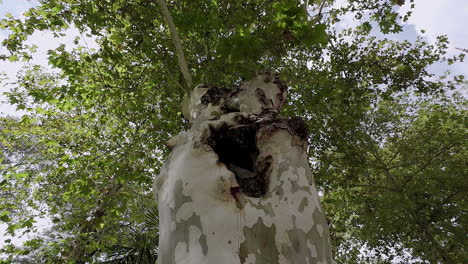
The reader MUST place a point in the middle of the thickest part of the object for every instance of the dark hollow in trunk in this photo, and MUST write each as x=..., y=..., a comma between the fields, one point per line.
x=237, y=149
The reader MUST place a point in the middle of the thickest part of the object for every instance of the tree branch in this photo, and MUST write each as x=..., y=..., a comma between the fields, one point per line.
x=439, y=249
x=176, y=40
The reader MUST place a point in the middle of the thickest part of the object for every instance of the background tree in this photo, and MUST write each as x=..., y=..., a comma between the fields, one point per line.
x=387, y=142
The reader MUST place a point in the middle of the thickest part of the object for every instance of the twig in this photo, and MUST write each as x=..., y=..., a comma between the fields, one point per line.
x=321, y=8
x=94, y=61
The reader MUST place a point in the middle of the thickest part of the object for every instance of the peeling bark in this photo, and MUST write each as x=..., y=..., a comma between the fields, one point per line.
x=237, y=187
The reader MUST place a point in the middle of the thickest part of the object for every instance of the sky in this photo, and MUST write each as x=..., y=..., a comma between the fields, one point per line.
x=44, y=40
x=437, y=17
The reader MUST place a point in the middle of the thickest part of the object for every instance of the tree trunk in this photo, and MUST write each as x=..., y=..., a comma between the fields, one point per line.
x=237, y=187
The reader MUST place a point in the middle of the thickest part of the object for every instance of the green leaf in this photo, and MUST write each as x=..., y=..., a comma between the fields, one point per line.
x=13, y=58
x=5, y=216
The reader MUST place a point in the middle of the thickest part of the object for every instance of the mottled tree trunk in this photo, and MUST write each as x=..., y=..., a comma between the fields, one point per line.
x=237, y=187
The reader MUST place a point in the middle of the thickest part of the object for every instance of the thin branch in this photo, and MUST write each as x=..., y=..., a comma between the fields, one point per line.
x=176, y=40
x=429, y=162
x=371, y=186
x=95, y=63
x=439, y=249
x=317, y=17
x=321, y=8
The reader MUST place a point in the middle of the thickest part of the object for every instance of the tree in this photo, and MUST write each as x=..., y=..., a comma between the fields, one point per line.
x=406, y=190
x=99, y=126
x=237, y=186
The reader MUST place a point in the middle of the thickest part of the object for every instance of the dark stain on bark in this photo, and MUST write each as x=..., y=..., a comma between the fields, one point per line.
x=235, y=191
x=298, y=127
x=260, y=94
x=214, y=95
x=283, y=87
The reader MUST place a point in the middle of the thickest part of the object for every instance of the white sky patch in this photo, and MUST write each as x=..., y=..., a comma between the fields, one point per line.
x=44, y=40
x=42, y=223
x=347, y=20
x=442, y=17
x=436, y=18
x=16, y=8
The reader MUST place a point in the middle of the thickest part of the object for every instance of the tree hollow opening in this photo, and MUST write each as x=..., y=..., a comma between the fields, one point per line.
x=237, y=149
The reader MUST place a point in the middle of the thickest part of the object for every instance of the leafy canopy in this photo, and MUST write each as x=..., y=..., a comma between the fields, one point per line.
x=387, y=141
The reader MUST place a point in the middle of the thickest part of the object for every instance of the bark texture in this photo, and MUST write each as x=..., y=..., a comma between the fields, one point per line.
x=237, y=187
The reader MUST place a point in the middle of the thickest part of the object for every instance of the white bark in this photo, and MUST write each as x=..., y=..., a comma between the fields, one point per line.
x=208, y=215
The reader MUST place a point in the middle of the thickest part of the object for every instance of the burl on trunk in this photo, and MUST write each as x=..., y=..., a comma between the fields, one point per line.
x=237, y=187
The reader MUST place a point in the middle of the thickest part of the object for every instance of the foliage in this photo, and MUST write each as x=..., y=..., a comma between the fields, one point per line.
x=137, y=246
x=407, y=189
x=387, y=141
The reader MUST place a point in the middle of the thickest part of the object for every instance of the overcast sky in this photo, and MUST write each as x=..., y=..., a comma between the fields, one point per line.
x=44, y=40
